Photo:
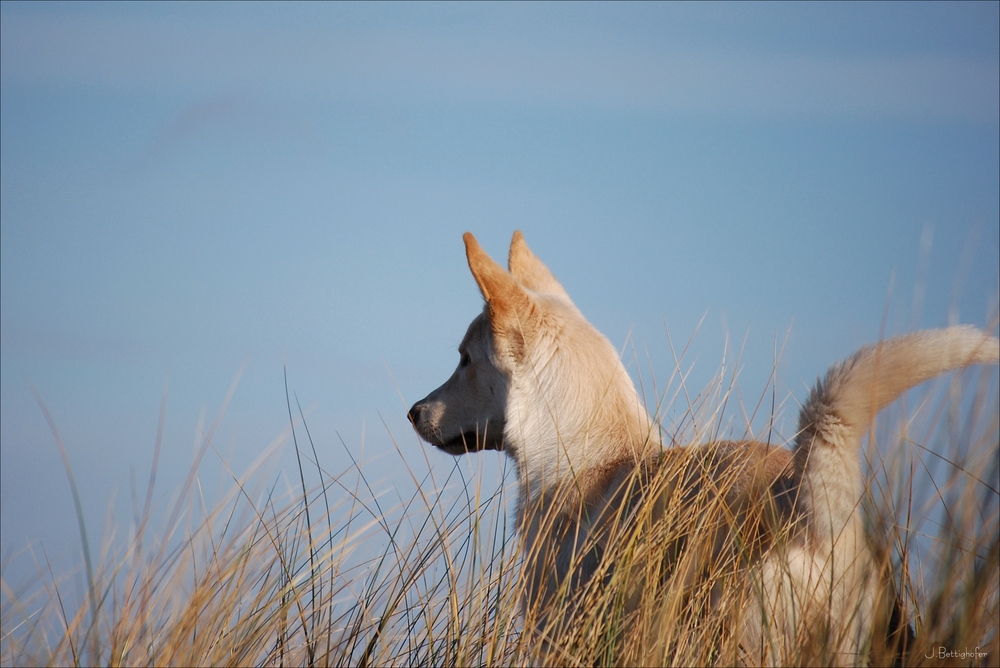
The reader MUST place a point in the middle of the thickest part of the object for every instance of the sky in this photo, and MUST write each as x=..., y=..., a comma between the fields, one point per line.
x=194, y=195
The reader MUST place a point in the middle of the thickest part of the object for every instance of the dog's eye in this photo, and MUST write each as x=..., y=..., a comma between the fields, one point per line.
x=465, y=361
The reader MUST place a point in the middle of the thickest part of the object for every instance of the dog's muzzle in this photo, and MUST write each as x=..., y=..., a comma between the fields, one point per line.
x=421, y=416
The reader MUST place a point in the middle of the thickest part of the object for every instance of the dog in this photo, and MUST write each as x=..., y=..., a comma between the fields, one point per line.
x=540, y=383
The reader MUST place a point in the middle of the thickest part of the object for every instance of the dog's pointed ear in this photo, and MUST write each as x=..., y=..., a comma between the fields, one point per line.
x=510, y=305
x=530, y=271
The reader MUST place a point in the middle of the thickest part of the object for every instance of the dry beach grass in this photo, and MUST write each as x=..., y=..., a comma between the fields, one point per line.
x=336, y=572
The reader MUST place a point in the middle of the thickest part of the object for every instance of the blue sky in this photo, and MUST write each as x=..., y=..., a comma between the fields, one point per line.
x=192, y=190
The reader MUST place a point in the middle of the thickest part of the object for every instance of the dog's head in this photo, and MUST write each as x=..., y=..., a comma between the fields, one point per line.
x=468, y=413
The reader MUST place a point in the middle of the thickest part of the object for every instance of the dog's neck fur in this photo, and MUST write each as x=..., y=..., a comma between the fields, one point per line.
x=568, y=447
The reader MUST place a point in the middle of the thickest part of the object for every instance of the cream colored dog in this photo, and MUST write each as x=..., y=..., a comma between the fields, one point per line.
x=537, y=381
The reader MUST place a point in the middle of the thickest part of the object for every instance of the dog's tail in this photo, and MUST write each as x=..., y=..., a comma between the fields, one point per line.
x=841, y=407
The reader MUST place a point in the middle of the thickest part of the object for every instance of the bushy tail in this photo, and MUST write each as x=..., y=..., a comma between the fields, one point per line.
x=841, y=407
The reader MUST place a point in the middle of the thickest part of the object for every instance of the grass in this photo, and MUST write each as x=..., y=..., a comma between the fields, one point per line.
x=335, y=573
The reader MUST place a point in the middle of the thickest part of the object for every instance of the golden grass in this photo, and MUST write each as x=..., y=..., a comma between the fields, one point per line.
x=330, y=575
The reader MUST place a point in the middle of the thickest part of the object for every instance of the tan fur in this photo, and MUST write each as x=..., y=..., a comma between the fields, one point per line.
x=538, y=381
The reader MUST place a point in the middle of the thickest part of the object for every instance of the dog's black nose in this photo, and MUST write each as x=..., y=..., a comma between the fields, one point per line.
x=414, y=414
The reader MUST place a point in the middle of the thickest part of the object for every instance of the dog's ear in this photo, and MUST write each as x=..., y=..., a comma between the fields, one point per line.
x=529, y=270
x=511, y=308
